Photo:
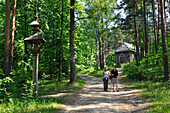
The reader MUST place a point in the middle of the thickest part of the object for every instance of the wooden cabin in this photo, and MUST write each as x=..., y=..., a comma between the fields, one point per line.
x=124, y=54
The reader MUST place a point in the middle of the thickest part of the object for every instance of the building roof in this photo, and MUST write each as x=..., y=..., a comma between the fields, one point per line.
x=125, y=47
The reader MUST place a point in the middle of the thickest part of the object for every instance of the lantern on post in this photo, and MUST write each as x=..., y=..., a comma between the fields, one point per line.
x=36, y=42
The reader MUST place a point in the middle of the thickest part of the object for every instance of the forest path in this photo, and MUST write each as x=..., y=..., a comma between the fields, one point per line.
x=92, y=99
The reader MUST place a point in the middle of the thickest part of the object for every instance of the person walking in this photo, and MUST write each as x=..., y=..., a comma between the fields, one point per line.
x=114, y=78
x=105, y=78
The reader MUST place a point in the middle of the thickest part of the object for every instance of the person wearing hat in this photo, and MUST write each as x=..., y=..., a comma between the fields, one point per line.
x=114, y=78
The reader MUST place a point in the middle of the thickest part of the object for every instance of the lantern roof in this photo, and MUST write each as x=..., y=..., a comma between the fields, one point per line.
x=34, y=23
x=35, y=38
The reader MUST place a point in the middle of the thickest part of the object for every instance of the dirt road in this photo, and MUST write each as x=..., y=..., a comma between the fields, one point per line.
x=92, y=99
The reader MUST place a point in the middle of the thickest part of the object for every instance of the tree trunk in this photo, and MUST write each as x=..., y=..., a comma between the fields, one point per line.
x=103, y=47
x=136, y=32
x=57, y=41
x=72, y=58
x=158, y=17
x=143, y=29
x=91, y=55
x=100, y=56
x=169, y=6
x=6, y=68
x=25, y=33
x=53, y=21
x=12, y=33
x=60, y=45
x=103, y=61
x=164, y=47
x=147, y=29
x=146, y=36
x=96, y=48
x=117, y=40
x=155, y=31
x=105, y=53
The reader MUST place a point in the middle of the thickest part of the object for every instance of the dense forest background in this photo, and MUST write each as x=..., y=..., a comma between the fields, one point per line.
x=100, y=28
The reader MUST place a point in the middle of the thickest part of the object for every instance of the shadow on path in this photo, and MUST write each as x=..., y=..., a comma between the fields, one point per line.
x=92, y=99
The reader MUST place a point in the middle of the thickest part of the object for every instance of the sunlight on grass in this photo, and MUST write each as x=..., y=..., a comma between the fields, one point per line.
x=43, y=105
x=53, y=87
x=156, y=92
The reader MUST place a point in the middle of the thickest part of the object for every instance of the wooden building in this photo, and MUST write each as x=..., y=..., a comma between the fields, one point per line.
x=124, y=54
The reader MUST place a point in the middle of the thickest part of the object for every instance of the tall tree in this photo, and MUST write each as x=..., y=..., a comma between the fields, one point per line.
x=100, y=53
x=155, y=31
x=169, y=6
x=146, y=35
x=91, y=55
x=158, y=16
x=143, y=30
x=165, y=59
x=12, y=33
x=96, y=48
x=6, y=68
x=102, y=45
x=72, y=58
x=25, y=33
x=136, y=31
x=60, y=44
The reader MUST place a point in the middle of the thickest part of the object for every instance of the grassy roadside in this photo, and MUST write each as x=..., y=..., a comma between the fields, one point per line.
x=156, y=92
x=39, y=104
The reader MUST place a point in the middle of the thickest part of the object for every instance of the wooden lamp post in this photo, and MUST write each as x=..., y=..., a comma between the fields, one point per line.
x=36, y=42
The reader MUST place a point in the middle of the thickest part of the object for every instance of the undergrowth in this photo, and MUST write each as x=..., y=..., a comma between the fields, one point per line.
x=41, y=104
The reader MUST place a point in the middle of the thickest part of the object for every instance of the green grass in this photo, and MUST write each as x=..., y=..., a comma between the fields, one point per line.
x=53, y=87
x=36, y=105
x=39, y=104
x=156, y=92
x=93, y=72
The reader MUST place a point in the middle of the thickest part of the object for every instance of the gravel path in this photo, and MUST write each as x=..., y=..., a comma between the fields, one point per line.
x=92, y=99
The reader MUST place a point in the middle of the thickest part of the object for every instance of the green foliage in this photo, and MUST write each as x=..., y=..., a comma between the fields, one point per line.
x=110, y=59
x=132, y=71
x=143, y=72
x=46, y=76
x=93, y=72
x=54, y=87
x=39, y=104
x=4, y=93
x=36, y=105
x=150, y=70
x=19, y=84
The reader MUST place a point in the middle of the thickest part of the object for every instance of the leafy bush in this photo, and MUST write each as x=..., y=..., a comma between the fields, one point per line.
x=145, y=71
x=22, y=84
x=19, y=84
x=80, y=67
x=4, y=93
x=132, y=71
x=46, y=76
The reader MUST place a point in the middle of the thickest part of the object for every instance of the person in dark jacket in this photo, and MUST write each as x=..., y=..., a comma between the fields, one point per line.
x=114, y=79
